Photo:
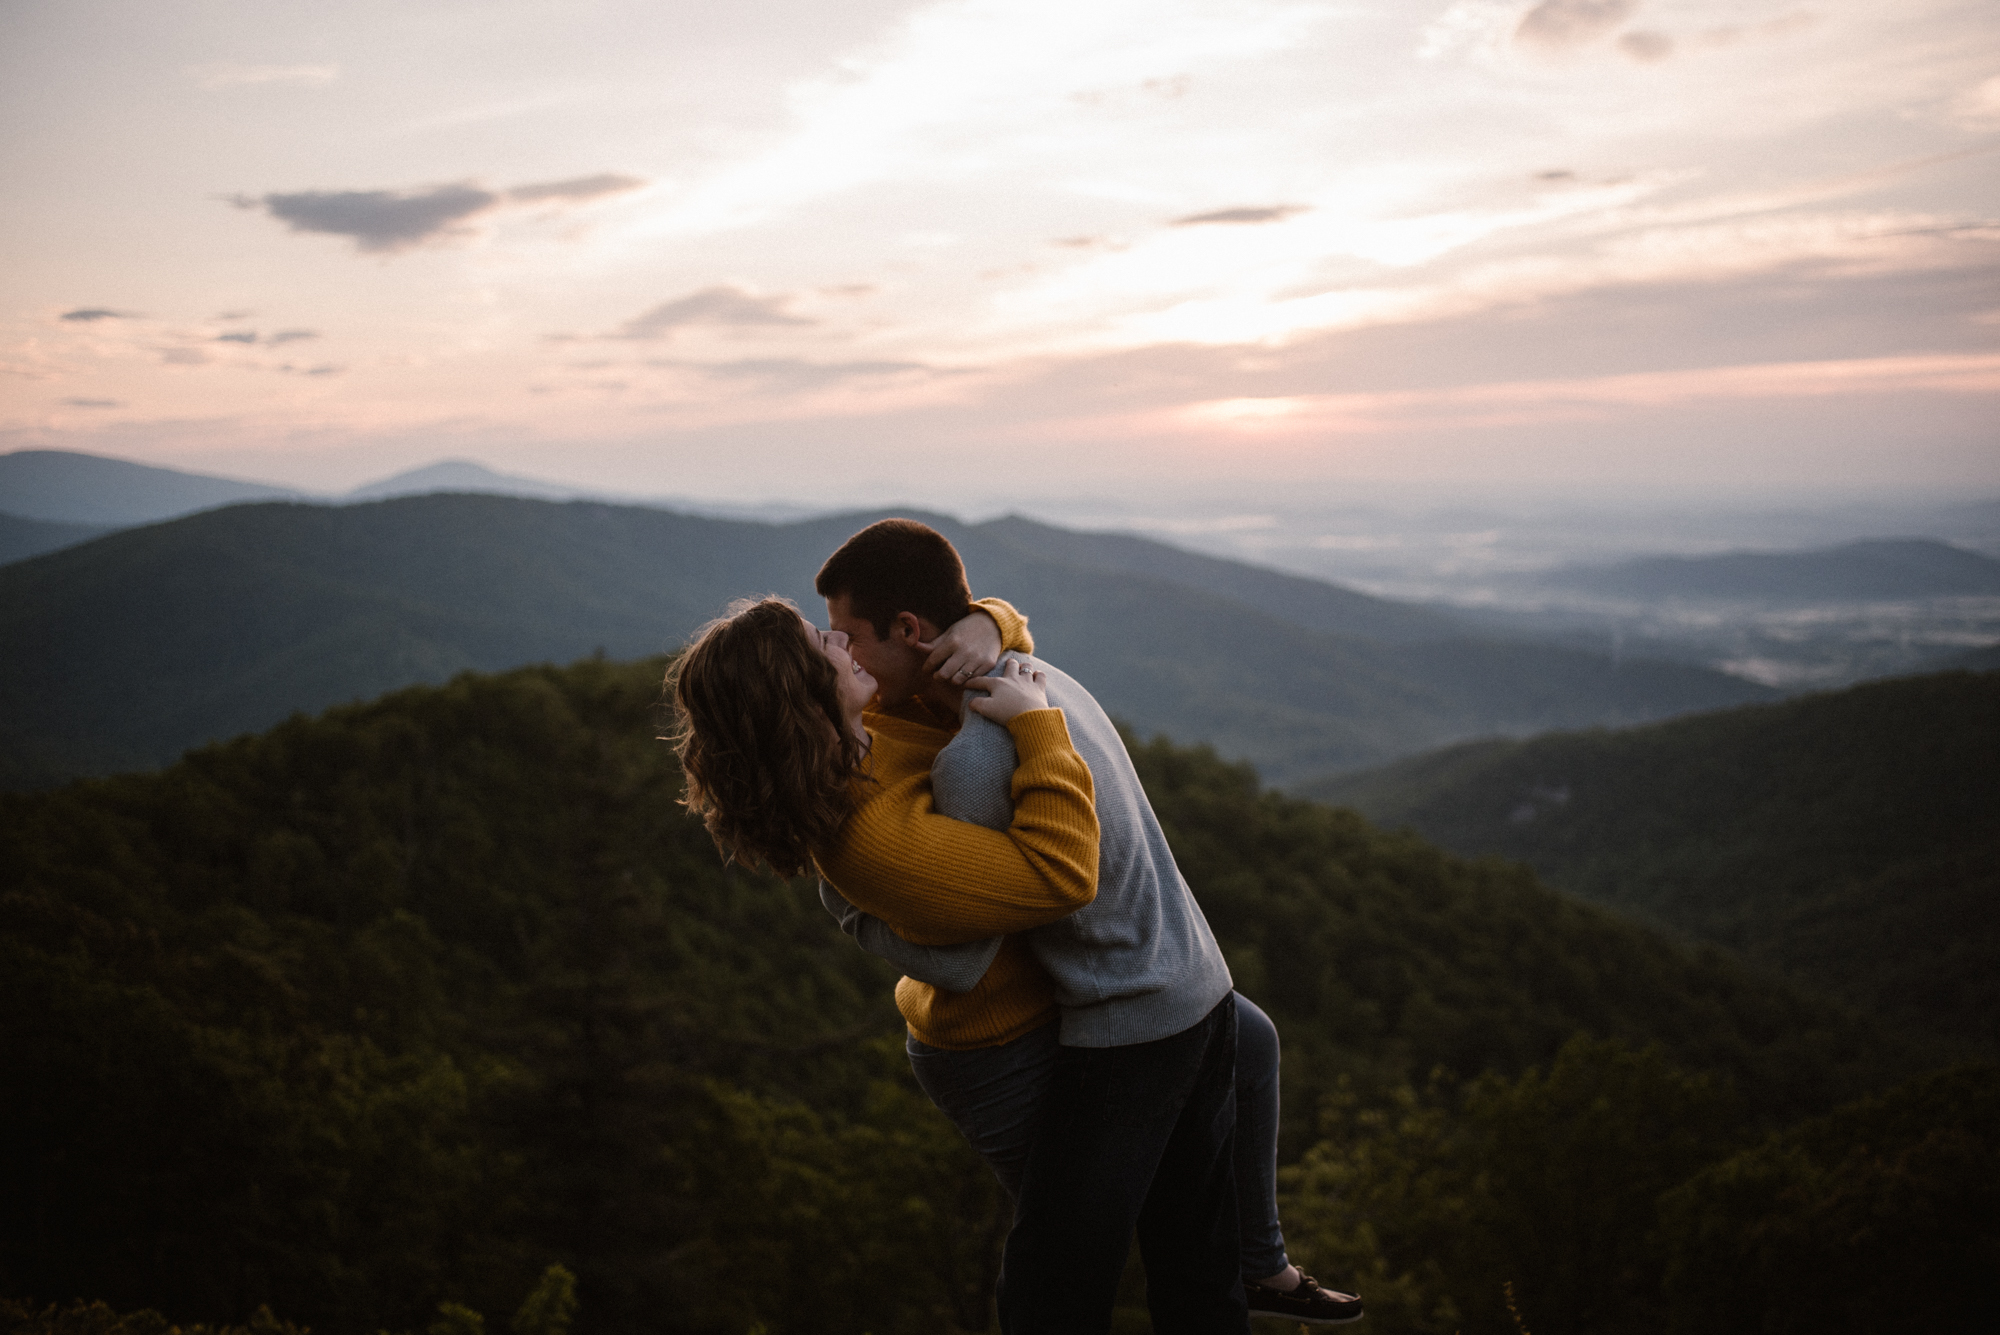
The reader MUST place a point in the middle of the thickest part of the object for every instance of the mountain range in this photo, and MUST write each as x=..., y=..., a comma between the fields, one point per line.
x=1850, y=839
x=399, y=1004
x=51, y=499
x=150, y=640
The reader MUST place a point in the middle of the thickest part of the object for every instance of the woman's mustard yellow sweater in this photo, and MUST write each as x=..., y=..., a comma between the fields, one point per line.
x=939, y=881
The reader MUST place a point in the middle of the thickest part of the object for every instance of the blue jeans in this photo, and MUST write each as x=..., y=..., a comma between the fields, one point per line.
x=994, y=1097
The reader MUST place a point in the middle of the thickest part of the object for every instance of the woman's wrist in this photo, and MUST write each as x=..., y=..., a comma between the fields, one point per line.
x=1038, y=728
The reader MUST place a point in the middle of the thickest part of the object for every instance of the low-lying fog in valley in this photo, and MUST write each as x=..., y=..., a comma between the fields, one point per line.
x=1895, y=604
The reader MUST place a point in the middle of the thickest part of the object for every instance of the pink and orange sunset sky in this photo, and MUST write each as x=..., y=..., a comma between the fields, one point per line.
x=953, y=250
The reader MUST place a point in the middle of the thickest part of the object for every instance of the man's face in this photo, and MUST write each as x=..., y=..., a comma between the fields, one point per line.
x=893, y=661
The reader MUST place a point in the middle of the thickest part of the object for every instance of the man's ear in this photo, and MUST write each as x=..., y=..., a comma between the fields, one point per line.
x=906, y=629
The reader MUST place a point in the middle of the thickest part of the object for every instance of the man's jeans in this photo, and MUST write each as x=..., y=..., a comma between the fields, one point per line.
x=1135, y=1136
x=994, y=1097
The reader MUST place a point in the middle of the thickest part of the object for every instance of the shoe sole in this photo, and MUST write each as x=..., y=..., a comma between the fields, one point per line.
x=1308, y=1320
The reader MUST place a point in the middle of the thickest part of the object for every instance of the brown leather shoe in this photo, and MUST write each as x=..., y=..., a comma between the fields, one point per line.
x=1308, y=1304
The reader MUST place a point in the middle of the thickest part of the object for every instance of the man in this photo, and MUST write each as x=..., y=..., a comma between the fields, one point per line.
x=1135, y=1129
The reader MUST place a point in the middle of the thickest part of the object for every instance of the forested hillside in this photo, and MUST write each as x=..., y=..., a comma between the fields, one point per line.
x=402, y=1005
x=21, y=538
x=1852, y=838
x=148, y=641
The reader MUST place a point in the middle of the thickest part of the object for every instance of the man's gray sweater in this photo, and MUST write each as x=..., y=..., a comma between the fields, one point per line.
x=1136, y=964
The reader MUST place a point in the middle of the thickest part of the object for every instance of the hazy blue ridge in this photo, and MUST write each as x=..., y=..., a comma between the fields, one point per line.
x=21, y=538
x=1852, y=837
x=64, y=487
x=1882, y=568
x=1310, y=603
x=151, y=640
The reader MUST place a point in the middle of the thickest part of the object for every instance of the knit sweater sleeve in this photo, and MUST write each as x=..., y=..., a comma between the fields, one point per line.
x=1013, y=625
x=944, y=882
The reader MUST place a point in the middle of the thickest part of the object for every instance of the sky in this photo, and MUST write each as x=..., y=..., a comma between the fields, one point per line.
x=962, y=250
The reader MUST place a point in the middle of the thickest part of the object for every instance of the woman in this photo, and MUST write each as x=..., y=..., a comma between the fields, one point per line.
x=784, y=772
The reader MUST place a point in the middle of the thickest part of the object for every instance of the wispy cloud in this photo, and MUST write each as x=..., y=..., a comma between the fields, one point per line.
x=388, y=221
x=90, y=314
x=722, y=306
x=1519, y=402
x=959, y=87
x=576, y=190
x=1560, y=25
x=92, y=403
x=1264, y=214
x=1646, y=46
x=794, y=373
x=1729, y=34
x=251, y=336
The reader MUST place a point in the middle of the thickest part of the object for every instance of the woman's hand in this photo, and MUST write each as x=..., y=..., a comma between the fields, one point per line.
x=1018, y=689
x=968, y=649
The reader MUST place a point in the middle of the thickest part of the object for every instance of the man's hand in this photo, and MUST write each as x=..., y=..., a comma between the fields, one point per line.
x=1016, y=690
x=967, y=650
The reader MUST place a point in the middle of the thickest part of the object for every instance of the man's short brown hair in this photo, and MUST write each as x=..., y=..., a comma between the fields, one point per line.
x=897, y=565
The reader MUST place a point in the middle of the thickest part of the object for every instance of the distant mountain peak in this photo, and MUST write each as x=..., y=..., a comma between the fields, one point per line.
x=461, y=475
x=71, y=487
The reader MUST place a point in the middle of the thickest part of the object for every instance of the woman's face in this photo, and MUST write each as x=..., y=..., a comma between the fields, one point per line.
x=857, y=688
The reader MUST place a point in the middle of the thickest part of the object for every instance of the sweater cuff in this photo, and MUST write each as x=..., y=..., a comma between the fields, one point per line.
x=1013, y=625
x=1039, y=731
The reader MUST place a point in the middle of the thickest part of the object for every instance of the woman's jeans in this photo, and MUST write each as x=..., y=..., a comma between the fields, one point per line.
x=995, y=1096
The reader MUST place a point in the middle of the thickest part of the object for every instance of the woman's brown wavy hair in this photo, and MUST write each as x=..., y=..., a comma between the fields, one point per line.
x=759, y=734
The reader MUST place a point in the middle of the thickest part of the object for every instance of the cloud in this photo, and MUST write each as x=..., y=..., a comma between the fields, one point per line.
x=1646, y=47
x=387, y=221
x=1264, y=214
x=92, y=403
x=956, y=83
x=271, y=340
x=792, y=373
x=184, y=357
x=1730, y=34
x=225, y=75
x=1514, y=402
x=575, y=190
x=1558, y=25
x=722, y=306
x=96, y=313
x=378, y=220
